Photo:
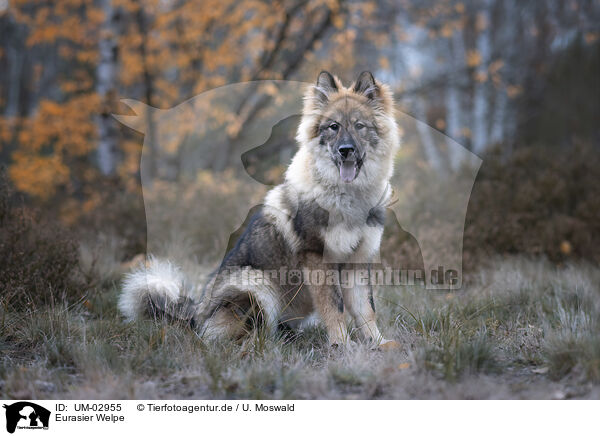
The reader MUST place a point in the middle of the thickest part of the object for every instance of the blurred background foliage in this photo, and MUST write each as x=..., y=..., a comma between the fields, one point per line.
x=515, y=82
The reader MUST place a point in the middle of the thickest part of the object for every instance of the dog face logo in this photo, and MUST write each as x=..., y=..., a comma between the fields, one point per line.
x=245, y=127
x=26, y=415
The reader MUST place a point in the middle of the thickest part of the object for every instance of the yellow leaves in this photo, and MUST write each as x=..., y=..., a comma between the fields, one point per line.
x=92, y=202
x=332, y=5
x=566, y=248
x=270, y=89
x=6, y=130
x=47, y=142
x=44, y=34
x=513, y=91
x=338, y=21
x=74, y=22
x=73, y=86
x=216, y=81
x=128, y=5
x=169, y=91
x=67, y=126
x=50, y=108
x=39, y=176
x=481, y=76
x=473, y=58
x=87, y=56
x=447, y=30
x=94, y=16
x=132, y=66
x=591, y=37
x=384, y=63
x=404, y=365
x=368, y=8
x=350, y=35
x=495, y=66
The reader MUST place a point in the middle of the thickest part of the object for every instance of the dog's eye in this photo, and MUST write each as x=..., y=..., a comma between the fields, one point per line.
x=334, y=126
x=359, y=126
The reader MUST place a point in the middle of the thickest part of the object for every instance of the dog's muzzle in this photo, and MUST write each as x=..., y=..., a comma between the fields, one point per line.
x=350, y=163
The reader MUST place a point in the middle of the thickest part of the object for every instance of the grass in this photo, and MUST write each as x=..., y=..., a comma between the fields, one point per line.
x=520, y=328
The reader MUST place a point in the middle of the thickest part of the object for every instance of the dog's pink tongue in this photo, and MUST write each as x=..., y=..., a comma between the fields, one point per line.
x=348, y=171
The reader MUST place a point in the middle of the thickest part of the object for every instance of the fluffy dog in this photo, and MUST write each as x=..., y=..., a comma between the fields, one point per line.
x=323, y=223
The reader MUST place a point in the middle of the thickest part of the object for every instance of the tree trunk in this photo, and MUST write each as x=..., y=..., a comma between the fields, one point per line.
x=151, y=159
x=106, y=88
x=480, y=100
x=454, y=107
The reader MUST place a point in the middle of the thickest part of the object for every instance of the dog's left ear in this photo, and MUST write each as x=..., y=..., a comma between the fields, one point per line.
x=366, y=85
x=378, y=93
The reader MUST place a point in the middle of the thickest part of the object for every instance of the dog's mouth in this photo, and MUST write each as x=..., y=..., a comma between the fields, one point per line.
x=349, y=169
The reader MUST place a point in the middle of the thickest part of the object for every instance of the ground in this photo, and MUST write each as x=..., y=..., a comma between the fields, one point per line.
x=520, y=328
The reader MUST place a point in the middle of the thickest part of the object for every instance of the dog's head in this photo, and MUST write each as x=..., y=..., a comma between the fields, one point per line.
x=351, y=132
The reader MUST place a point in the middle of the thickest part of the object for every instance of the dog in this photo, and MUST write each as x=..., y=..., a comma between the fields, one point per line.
x=326, y=219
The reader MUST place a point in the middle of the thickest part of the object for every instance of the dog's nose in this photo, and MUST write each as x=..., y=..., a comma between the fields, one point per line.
x=345, y=150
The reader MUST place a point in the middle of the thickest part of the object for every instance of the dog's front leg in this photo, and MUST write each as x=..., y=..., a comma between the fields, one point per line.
x=358, y=298
x=327, y=300
x=361, y=305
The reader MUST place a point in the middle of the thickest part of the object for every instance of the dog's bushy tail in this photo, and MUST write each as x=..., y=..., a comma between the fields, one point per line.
x=160, y=289
x=157, y=289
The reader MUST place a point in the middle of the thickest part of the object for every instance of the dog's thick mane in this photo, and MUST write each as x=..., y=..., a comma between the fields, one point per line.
x=305, y=175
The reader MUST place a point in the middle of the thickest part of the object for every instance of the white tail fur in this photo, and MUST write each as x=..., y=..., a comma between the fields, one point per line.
x=158, y=280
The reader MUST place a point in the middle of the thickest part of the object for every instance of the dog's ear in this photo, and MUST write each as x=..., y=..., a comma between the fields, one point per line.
x=326, y=85
x=366, y=85
x=379, y=94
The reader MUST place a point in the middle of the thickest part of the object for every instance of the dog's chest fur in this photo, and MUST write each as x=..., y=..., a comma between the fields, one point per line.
x=337, y=220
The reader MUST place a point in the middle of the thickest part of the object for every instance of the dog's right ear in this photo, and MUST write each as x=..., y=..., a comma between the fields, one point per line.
x=366, y=85
x=326, y=85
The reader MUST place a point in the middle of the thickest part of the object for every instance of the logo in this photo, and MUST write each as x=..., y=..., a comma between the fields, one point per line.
x=26, y=415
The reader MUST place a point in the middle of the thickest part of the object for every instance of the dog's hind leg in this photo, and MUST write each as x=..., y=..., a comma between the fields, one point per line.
x=237, y=302
x=227, y=322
